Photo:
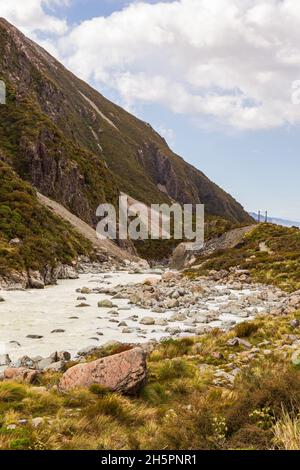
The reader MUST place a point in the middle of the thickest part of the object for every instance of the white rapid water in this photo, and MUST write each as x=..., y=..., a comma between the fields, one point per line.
x=39, y=312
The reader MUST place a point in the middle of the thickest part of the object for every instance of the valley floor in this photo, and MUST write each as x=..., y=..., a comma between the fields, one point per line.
x=238, y=389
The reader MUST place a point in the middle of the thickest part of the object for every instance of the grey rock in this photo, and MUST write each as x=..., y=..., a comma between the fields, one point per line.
x=63, y=356
x=36, y=422
x=147, y=321
x=106, y=304
x=45, y=363
x=127, y=330
x=25, y=361
x=56, y=366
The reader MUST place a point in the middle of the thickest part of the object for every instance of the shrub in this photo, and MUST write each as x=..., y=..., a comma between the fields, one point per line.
x=267, y=388
x=20, y=444
x=246, y=329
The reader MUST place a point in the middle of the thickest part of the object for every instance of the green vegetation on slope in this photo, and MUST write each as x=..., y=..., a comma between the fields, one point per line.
x=45, y=239
x=41, y=154
x=186, y=404
x=270, y=252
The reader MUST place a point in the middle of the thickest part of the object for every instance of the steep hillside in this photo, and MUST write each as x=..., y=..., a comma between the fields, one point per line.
x=80, y=149
x=31, y=237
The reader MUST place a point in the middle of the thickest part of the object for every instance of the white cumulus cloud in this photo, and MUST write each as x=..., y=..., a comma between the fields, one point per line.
x=30, y=15
x=221, y=62
x=230, y=62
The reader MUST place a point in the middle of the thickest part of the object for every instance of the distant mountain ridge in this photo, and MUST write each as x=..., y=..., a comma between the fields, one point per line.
x=276, y=220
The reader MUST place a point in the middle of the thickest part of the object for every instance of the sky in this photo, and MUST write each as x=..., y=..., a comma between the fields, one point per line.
x=219, y=79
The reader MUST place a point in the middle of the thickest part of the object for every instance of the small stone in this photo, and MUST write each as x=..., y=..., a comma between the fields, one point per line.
x=127, y=330
x=82, y=305
x=147, y=321
x=106, y=304
x=58, y=331
x=85, y=290
x=34, y=336
x=294, y=323
x=23, y=421
x=63, y=356
x=36, y=422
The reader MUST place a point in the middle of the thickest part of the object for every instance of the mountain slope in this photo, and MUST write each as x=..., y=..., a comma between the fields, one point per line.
x=80, y=149
x=31, y=237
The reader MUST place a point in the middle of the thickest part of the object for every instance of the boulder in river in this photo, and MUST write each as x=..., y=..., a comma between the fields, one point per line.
x=124, y=373
x=147, y=321
x=106, y=304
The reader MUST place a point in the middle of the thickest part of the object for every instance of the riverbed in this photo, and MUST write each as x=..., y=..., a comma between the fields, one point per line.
x=53, y=315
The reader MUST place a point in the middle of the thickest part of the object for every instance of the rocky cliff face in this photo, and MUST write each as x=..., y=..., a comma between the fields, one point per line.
x=80, y=149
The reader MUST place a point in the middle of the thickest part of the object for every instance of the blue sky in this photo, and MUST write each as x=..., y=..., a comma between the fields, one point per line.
x=233, y=118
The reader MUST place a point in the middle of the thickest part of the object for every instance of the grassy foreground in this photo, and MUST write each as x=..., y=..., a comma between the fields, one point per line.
x=191, y=400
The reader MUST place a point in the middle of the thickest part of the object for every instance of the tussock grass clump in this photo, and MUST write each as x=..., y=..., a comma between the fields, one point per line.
x=174, y=369
x=11, y=392
x=287, y=431
x=154, y=393
x=99, y=390
x=171, y=348
x=246, y=329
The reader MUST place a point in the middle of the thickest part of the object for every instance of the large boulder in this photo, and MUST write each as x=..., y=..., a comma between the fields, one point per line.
x=125, y=373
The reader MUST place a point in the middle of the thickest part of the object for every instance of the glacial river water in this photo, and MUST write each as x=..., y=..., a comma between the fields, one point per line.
x=40, y=312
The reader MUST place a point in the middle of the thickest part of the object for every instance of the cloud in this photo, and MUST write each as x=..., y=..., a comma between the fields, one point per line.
x=30, y=16
x=231, y=63
x=219, y=62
